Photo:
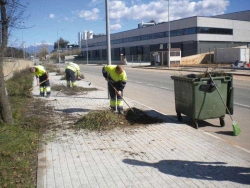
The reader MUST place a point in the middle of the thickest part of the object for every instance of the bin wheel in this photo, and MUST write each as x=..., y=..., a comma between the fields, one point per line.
x=196, y=126
x=179, y=116
x=222, y=121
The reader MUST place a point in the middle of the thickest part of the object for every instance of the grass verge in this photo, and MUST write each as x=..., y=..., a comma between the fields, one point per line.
x=19, y=142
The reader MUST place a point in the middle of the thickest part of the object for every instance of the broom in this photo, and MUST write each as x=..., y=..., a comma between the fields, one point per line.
x=236, y=127
x=121, y=96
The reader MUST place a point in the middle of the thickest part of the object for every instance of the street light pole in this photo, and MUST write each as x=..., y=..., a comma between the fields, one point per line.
x=88, y=36
x=58, y=44
x=23, y=46
x=108, y=37
x=169, y=45
x=35, y=48
x=87, y=48
x=108, y=34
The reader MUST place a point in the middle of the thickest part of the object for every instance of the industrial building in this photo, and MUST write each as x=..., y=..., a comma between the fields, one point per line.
x=193, y=35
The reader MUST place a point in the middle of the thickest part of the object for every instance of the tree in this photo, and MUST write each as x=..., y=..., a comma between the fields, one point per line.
x=11, y=13
x=62, y=43
x=14, y=53
x=43, y=51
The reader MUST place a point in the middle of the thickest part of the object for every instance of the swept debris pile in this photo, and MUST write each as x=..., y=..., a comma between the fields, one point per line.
x=102, y=120
x=71, y=91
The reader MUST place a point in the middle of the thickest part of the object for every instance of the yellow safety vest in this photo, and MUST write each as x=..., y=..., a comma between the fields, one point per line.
x=113, y=75
x=74, y=67
x=40, y=70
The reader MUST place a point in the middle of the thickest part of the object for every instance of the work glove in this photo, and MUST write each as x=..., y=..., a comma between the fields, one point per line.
x=107, y=77
x=119, y=93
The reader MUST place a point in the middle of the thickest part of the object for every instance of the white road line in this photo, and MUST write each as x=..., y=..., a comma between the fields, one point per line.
x=242, y=105
x=225, y=141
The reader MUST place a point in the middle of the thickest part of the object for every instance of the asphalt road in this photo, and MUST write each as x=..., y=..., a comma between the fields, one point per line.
x=155, y=89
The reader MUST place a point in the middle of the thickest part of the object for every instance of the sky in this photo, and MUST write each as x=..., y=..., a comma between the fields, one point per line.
x=47, y=20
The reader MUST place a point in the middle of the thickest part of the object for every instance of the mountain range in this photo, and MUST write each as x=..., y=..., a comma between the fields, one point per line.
x=36, y=48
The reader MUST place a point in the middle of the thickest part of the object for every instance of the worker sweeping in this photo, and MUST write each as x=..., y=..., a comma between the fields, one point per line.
x=42, y=79
x=72, y=73
x=117, y=78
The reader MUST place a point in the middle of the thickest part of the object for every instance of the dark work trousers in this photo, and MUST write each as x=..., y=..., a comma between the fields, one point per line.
x=70, y=76
x=45, y=86
x=113, y=102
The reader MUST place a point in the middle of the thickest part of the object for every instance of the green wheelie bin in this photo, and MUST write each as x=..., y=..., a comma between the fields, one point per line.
x=197, y=97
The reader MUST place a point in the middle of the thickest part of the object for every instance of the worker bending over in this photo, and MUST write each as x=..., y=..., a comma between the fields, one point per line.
x=42, y=79
x=72, y=73
x=117, y=78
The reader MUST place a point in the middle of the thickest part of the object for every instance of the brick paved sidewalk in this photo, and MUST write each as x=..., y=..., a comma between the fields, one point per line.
x=159, y=155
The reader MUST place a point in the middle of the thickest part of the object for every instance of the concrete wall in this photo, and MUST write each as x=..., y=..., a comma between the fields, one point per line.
x=12, y=65
x=230, y=55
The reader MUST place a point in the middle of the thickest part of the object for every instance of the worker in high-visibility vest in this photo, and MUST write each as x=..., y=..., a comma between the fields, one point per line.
x=117, y=78
x=72, y=73
x=42, y=79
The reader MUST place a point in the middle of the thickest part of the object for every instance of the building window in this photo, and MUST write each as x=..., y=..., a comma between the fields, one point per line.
x=173, y=33
x=209, y=30
x=174, y=53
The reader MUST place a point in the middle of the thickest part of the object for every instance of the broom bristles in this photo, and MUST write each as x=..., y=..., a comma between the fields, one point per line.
x=236, y=128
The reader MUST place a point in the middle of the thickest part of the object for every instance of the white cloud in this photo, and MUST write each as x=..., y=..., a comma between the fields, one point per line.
x=52, y=16
x=115, y=27
x=89, y=15
x=157, y=10
x=69, y=19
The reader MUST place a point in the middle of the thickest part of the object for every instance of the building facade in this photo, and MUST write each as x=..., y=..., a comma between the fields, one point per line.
x=193, y=35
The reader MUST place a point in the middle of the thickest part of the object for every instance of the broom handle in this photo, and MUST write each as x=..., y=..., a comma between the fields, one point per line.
x=221, y=96
x=38, y=85
x=120, y=95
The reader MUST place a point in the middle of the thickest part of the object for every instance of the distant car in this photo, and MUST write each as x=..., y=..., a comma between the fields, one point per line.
x=240, y=64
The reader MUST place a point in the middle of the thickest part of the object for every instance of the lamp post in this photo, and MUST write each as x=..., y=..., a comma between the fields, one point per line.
x=87, y=48
x=108, y=37
x=169, y=45
x=23, y=46
x=88, y=36
x=34, y=49
x=58, y=50
x=108, y=34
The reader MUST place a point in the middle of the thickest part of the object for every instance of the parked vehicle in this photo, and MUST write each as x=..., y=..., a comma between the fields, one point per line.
x=241, y=64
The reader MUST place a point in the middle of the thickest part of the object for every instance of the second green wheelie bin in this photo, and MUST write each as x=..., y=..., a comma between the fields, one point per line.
x=197, y=97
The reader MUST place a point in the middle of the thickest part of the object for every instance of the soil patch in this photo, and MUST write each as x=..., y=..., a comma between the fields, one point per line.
x=71, y=90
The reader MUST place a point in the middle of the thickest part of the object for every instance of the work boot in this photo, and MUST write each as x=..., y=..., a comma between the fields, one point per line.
x=112, y=109
x=120, y=111
x=48, y=96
